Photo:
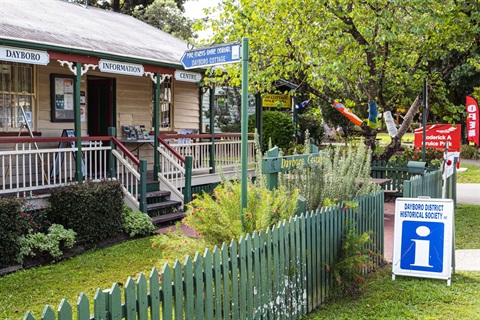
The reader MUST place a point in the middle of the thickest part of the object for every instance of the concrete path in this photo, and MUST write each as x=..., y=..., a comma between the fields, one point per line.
x=468, y=193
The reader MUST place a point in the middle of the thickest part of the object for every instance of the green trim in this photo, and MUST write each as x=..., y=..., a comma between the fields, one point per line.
x=78, y=125
x=83, y=52
x=187, y=191
x=143, y=186
x=156, y=124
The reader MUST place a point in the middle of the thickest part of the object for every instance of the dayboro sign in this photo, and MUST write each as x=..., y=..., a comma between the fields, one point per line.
x=423, y=238
x=24, y=55
x=437, y=135
x=289, y=163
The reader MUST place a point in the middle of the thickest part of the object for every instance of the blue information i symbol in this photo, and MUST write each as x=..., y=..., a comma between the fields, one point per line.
x=422, y=246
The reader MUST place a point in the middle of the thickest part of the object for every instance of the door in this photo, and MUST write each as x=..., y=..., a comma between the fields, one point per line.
x=101, y=105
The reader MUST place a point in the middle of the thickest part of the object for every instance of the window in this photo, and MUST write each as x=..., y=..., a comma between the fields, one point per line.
x=16, y=94
x=165, y=103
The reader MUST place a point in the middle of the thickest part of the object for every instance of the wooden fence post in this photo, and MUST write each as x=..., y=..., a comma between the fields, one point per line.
x=272, y=178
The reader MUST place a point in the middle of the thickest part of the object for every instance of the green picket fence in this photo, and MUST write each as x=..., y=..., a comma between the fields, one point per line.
x=277, y=274
x=397, y=172
x=429, y=185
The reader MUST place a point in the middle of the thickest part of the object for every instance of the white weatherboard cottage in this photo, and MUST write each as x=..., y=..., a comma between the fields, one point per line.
x=69, y=68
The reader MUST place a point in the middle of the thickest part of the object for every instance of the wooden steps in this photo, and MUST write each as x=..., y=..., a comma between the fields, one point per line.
x=168, y=217
x=161, y=209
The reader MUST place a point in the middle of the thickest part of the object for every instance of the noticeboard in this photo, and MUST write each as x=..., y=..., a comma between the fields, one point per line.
x=423, y=238
x=62, y=99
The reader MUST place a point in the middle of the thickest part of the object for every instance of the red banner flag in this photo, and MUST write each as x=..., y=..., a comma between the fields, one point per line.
x=472, y=121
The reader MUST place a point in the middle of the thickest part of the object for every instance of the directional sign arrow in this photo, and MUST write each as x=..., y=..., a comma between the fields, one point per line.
x=211, y=56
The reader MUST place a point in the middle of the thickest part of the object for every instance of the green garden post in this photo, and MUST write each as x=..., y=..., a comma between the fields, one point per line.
x=156, y=124
x=424, y=118
x=212, y=129
x=244, y=126
x=78, y=125
x=111, y=159
x=187, y=190
x=272, y=178
x=143, y=186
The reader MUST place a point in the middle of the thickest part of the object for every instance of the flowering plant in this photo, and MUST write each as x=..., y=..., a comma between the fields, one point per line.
x=217, y=217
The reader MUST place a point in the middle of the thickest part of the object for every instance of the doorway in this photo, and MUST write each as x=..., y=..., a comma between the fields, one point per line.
x=101, y=105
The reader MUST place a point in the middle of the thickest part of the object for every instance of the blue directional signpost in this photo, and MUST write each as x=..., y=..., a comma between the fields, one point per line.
x=211, y=56
x=226, y=54
x=424, y=239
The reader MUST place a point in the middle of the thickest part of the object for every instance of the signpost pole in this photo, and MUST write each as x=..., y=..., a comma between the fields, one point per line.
x=244, y=126
x=424, y=118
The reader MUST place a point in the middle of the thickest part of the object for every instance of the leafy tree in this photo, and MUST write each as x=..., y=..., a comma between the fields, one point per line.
x=355, y=51
x=167, y=16
x=126, y=6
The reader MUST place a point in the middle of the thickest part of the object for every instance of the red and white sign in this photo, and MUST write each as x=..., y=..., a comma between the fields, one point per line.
x=437, y=135
x=472, y=121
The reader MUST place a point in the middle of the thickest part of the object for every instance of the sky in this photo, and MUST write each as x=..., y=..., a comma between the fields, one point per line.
x=194, y=10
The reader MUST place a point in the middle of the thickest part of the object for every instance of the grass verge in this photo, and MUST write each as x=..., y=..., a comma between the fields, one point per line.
x=409, y=298
x=385, y=137
x=472, y=175
x=467, y=227
x=32, y=289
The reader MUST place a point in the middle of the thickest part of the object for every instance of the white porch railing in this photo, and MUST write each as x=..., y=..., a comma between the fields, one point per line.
x=30, y=165
x=174, y=148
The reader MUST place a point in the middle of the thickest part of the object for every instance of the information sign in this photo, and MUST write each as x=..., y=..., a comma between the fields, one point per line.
x=423, y=238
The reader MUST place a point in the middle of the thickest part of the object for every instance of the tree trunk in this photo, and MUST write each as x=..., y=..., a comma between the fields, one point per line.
x=396, y=141
x=116, y=5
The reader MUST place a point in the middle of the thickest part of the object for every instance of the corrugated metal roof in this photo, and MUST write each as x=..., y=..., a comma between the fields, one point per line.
x=60, y=23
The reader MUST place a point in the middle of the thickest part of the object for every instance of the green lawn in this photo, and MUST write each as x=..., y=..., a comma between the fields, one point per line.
x=385, y=138
x=405, y=298
x=409, y=298
x=32, y=289
x=472, y=175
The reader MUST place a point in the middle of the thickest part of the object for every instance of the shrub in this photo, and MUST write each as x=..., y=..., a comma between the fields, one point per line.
x=355, y=259
x=174, y=245
x=10, y=230
x=136, y=222
x=432, y=156
x=52, y=243
x=311, y=122
x=278, y=127
x=34, y=219
x=469, y=151
x=342, y=176
x=92, y=209
x=217, y=217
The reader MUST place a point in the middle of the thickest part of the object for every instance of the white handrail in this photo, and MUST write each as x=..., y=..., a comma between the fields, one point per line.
x=172, y=172
x=27, y=169
x=128, y=175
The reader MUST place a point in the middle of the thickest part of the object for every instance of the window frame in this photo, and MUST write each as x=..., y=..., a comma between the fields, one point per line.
x=17, y=92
